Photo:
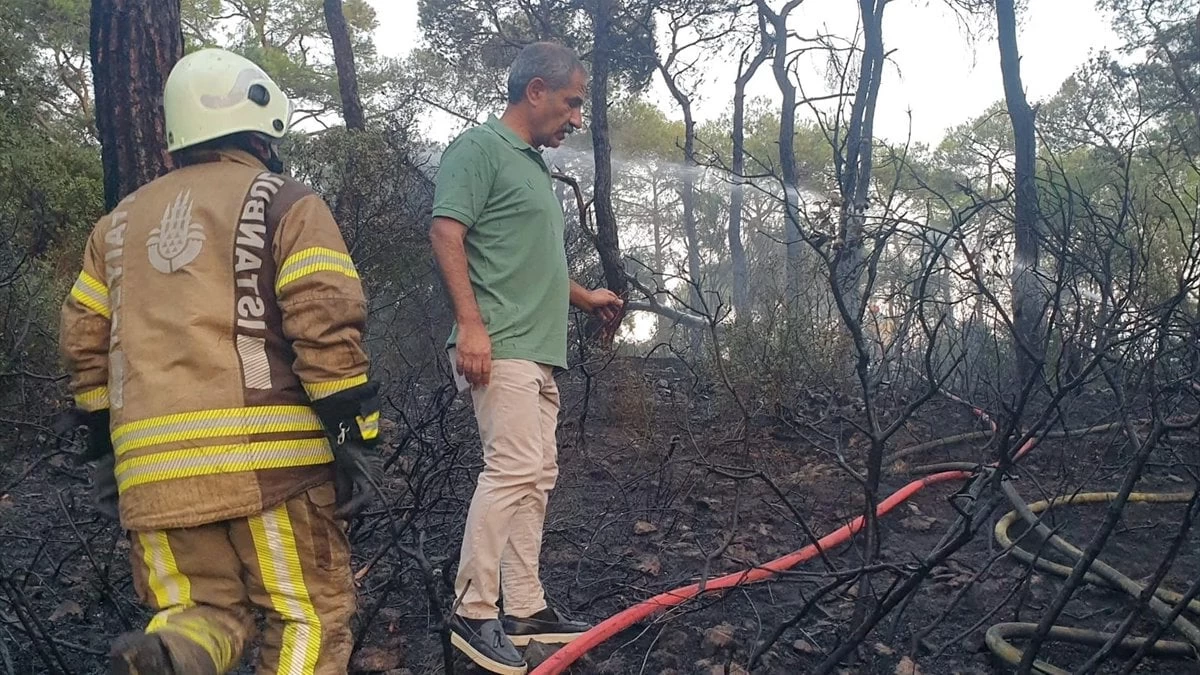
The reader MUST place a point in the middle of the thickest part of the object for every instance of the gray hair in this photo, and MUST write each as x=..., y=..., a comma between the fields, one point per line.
x=550, y=61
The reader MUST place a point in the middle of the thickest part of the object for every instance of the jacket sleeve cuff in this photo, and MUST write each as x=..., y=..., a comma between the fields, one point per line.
x=320, y=390
x=351, y=414
x=92, y=400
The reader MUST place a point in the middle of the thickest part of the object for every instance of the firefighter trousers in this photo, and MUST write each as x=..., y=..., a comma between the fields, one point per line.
x=292, y=562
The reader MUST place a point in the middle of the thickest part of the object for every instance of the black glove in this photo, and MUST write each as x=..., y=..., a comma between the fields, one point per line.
x=100, y=450
x=104, y=488
x=99, y=436
x=351, y=418
x=358, y=471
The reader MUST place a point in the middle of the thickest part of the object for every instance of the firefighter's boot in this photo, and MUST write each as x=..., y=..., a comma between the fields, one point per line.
x=148, y=654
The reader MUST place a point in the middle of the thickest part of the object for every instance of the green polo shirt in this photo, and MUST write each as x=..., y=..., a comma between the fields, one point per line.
x=500, y=188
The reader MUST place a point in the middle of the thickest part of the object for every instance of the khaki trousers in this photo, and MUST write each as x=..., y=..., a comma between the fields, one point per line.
x=517, y=415
x=292, y=561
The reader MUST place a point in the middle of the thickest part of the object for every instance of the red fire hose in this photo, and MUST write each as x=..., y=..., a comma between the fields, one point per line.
x=564, y=657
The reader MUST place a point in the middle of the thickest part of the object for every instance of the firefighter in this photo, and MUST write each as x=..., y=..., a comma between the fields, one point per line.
x=214, y=343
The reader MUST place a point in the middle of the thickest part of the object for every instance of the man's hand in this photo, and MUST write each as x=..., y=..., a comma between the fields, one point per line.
x=474, y=348
x=604, y=304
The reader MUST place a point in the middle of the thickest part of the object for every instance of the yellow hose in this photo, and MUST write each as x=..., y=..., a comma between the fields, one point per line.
x=997, y=640
x=1051, y=567
x=996, y=637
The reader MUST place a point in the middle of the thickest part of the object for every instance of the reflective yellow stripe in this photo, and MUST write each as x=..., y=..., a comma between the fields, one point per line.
x=220, y=459
x=92, y=294
x=208, y=424
x=159, y=620
x=209, y=637
x=283, y=579
x=92, y=283
x=92, y=399
x=313, y=260
x=250, y=415
x=368, y=426
x=172, y=593
x=319, y=390
x=171, y=588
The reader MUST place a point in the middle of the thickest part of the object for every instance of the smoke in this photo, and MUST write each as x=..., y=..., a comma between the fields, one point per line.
x=576, y=161
x=570, y=160
x=566, y=158
x=563, y=157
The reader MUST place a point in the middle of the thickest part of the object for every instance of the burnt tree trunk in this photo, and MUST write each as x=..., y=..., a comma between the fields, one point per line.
x=343, y=58
x=854, y=173
x=661, y=328
x=787, y=148
x=660, y=243
x=134, y=44
x=737, y=249
x=348, y=198
x=608, y=243
x=1026, y=307
x=846, y=268
x=690, y=231
x=687, y=195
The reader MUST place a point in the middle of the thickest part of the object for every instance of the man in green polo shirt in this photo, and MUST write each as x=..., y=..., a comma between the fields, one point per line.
x=497, y=235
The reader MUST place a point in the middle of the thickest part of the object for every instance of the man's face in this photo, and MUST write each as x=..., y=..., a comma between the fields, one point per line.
x=560, y=111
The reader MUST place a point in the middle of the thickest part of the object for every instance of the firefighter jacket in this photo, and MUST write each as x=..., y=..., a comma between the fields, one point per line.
x=216, y=305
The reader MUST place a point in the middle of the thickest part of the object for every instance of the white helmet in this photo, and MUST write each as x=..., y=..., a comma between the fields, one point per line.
x=212, y=93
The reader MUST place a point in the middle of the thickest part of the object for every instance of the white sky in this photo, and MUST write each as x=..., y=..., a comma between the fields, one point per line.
x=935, y=70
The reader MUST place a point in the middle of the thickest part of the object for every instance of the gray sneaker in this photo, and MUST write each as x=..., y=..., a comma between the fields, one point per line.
x=484, y=642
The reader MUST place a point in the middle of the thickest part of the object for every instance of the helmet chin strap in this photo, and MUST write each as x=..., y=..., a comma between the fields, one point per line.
x=274, y=163
x=267, y=151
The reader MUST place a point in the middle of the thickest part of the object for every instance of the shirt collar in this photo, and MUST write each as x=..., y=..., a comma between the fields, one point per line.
x=497, y=125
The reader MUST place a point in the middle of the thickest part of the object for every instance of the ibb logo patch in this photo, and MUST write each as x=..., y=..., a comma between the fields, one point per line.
x=177, y=241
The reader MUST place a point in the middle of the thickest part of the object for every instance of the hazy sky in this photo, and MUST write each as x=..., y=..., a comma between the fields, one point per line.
x=935, y=70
